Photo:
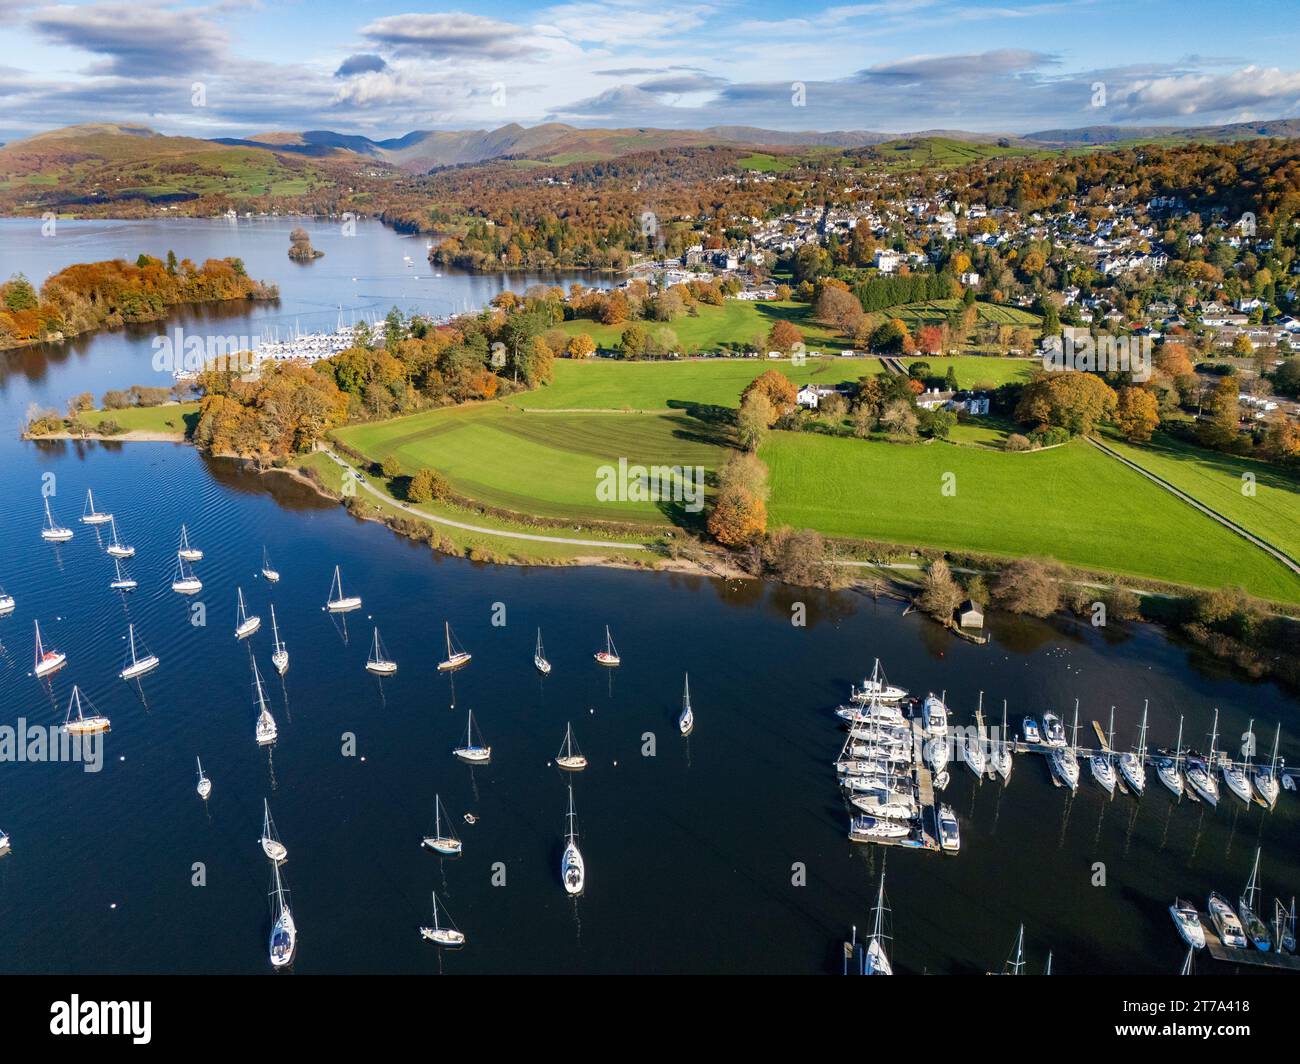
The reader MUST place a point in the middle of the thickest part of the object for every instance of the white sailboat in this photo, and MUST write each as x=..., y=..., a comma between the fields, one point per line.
x=47, y=661
x=271, y=574
x=1169, y=769
x=1015, y=964
x=116, y=548
x=1103, y=768
x=609, y=656
x=265, y=730
x=54, y=532
x=973, y=752
x=4, y=843
x=91, y=516
x=337, y=601
x=457, y=657
x=876, y=688
x=443, y=840
x=245, y=623
x=539, y=657
x=379, y=662
x=1237, y=776
x=184, y=582
x=1063, y=760
x=204, y=786
x=7, y=603
x=279, y=652
x=270, y=841
x=570, y=758
x=284, y=932
x=1000, y=752
x=875, y=959
x=1133, y=764
x=439, y=935
x=474, y=752
x=123, y=580
x=1248, y=909
x=187, y=552
x=83, y=725
x=1200, y=771
x=138, y=665
x=573, y=870
x=686, y=721
x=873, y=829
x=1266, y=779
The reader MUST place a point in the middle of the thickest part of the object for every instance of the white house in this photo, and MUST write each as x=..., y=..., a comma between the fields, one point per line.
x=886, y=261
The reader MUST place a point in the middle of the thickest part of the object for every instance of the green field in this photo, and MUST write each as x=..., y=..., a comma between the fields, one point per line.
x=1272, y=513
x=544, y=464
x=610, y=384
x=936, y=311
x=1071, y=503
x=170, y=417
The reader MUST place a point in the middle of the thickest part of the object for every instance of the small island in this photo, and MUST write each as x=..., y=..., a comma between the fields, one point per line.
x=97, y=295
x=300, y=249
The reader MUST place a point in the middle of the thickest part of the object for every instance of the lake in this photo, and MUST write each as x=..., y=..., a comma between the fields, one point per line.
x=692, y=854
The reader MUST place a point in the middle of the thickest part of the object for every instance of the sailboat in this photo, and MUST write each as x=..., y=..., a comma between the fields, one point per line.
x=265, y=731
x=4, y=844
x=185, y=551
x=570, y=758
x=271, y=844
x=279, y=652
x=1266, y=781
x=184, y=581
x=1103, y=768
x=1000, y=753
x=245, y=624
x=53, y=532
x=1200, y=774
x=91, y=516
x=875, y=688
x=442, y=936
x=686, y=722
x=876, y=958
x=1248, y=910
x=83, y=725
x=443, y=839
x=1169, y=769
x=1284, y=925
x=284, y=933
x=609, y=656
x=47, y=661
x=1235, y=775
x=539, y=657
x=204, y=786
x=337, y=601
x=272, y=575
x=116, y=548
x=473, y=752
x=973, y=745
x=139, y=665
x=379, y=663
x=457, y=657
x=573, y=870
x=7, y=603
x=1015, y=964
x=1063, y=760
x=1133, y=765
x=123, y=581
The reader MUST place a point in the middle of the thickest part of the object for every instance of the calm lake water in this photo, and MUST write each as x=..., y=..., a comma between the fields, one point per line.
x=690, y=853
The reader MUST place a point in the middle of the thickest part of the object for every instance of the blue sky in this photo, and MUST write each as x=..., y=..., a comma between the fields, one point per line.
x=235, y=67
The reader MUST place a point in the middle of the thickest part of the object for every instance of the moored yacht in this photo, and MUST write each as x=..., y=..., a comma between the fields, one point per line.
x=54, y=532
x=1265, y=778
x=439, y=935
x=1103, y=768
x=1200, y=771
x=609, y=656
x=284, y=932
x=184, y=582
x=570, y=758
x=872, y=829
x=245, y=623
x=46, y=661
x=1169, y=767
x=573, y=869
x=1188, y=922
x=1248, y=908
x=443, y=840
x=1053, y=731
x=686, y=721
x=92, y=516
x=457, y=656
x=1226, y=923
x=539, y=657
x=204, y=786
x=949, y=830
x=186, y=551
x=1029, y=729
x=83, y=725
x=279, y=652
x=270, y=573
x=337, y=602
x=139, y=663
x=265, y=731
x=473, y=752
x=116, y=548
x=876, y=688
x=1133, y=763
x=379, y=662
x=123, y=580
x=1236, y=775
x=7, y=603
x=270, y=841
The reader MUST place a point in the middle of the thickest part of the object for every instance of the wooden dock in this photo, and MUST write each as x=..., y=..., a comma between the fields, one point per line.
x=1255, y=958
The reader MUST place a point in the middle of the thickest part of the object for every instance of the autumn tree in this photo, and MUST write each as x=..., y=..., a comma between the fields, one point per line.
x=739, y=514
x=941, y=594
x=1071, y=400
x=580, y=346
x=777, y=389
x=753, y=420
x=783, y=336
x=1136, y=414
x=1028, y=586
x=427, y=485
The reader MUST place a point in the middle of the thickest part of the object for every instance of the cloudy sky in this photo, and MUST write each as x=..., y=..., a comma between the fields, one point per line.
x=236, y=67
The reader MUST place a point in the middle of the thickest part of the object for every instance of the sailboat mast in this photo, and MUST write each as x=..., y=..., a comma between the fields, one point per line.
x=1178, y=750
